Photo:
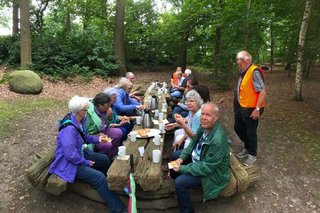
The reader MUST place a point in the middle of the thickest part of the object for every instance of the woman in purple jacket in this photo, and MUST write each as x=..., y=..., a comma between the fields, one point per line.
x=73, y=162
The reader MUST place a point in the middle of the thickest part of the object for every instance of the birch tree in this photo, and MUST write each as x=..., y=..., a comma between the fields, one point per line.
x=302, y=38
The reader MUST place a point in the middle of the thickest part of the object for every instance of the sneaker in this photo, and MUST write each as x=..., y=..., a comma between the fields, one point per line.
x=244, y=153
x=250, y=160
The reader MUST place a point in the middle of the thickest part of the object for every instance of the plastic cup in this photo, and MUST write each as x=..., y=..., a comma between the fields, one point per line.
x=156, y=156
x=162, y=127
x=161, y=116
x=141, y=151
x=186, y=143
x=157, y=140
x=138, y=120
x=122, y=152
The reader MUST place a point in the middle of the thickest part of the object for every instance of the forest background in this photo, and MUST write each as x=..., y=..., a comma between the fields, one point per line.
x=100, y=40
x=103, y=38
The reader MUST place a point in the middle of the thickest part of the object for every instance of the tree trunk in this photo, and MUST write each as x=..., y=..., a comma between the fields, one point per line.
x=302, y=37
x=246, y=26
x=68, y=23
x=217, y=53
x=271, y=46
x=183, y=52
x=25, y=35
x=118, y=39
x=15, y=17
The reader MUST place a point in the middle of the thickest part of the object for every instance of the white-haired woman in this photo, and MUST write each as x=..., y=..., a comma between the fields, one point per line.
x=189, y=125
x=73, y=162
x=125, y=105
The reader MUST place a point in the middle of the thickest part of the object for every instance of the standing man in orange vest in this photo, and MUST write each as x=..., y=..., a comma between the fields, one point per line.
x=249, y=102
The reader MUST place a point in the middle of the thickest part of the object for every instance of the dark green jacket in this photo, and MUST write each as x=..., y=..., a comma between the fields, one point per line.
x=214, y=162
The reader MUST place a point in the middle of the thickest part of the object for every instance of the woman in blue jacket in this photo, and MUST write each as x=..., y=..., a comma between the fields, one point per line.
x=73, y=162
x=125, y=105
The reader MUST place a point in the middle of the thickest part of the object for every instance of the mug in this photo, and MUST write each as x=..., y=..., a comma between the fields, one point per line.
x=133, y=136
x=157, y=140
x=156, y=156
x=122, y=152
x=138, y=120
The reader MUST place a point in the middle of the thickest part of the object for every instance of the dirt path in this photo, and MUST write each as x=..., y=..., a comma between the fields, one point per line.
x=289, y=147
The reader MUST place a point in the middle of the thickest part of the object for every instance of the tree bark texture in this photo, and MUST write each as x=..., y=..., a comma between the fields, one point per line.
x=271, y=46
x=302, y=37
x=183, y=52
x=25, y=35
x=217, y=52
x=118, y=40
x=15, y=17
x=246, y=26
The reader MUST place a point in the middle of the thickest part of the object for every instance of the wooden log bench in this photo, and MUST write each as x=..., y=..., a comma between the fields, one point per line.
x=163, y=198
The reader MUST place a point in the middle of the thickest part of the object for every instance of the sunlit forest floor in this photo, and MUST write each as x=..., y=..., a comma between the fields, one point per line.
x=289, y=146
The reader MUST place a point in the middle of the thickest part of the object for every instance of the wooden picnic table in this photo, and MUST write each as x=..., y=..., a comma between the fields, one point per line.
x=148, y=175
x=154, y=191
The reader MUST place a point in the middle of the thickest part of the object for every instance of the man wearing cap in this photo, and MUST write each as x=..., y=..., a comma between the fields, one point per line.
x=249, y=102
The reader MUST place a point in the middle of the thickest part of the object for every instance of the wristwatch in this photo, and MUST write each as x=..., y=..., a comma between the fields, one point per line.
x=258, y=109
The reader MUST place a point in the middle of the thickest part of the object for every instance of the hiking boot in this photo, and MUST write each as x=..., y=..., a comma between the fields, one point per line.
x=250, y=160
x=244, y=153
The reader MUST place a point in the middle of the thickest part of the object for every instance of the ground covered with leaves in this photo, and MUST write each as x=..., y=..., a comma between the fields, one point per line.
x=289, y=146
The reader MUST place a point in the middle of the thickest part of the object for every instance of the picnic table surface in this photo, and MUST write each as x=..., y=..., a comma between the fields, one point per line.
x=148, y=175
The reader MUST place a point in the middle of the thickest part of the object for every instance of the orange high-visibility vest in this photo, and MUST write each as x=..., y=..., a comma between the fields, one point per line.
x=248, y=97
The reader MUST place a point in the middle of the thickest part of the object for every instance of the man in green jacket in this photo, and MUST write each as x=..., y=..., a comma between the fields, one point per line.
x=209, y=157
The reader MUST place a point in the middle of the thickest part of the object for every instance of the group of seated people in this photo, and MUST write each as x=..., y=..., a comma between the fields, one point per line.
x=90, y=134
x=105, y=121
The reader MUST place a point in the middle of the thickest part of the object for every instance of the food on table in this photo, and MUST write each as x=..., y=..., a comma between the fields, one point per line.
x=143, y=132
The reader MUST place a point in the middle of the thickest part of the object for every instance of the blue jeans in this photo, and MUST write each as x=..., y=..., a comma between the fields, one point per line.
x=96, y=177
x=182, y=184
x=176, y=94
x=178, y=110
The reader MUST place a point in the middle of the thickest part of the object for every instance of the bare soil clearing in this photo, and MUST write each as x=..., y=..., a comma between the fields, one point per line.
x=289, y=144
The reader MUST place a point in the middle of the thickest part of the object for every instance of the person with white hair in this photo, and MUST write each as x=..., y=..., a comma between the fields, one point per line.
x=125, y=105
x=205, y=162
x=249, y=102
x=136, y=91
x=189, y=125
x=73, y=162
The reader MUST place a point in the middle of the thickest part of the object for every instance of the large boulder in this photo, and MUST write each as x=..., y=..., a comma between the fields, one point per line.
x=25, y=82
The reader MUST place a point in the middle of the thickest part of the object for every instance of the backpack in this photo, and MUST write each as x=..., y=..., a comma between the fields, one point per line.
x=66, y=121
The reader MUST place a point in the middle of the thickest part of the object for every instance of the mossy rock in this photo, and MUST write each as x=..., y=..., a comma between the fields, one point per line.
x=25, y=82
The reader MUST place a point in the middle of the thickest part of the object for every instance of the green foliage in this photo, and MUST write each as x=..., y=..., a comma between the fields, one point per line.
x=10, y=50
x=77, y=53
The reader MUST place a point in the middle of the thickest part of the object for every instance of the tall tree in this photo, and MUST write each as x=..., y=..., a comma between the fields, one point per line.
x=118, y=39
x=25, y=34
x=15, y=17
x=302, y=37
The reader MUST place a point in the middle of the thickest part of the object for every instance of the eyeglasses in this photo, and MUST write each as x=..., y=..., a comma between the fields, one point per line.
x=190, y=101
